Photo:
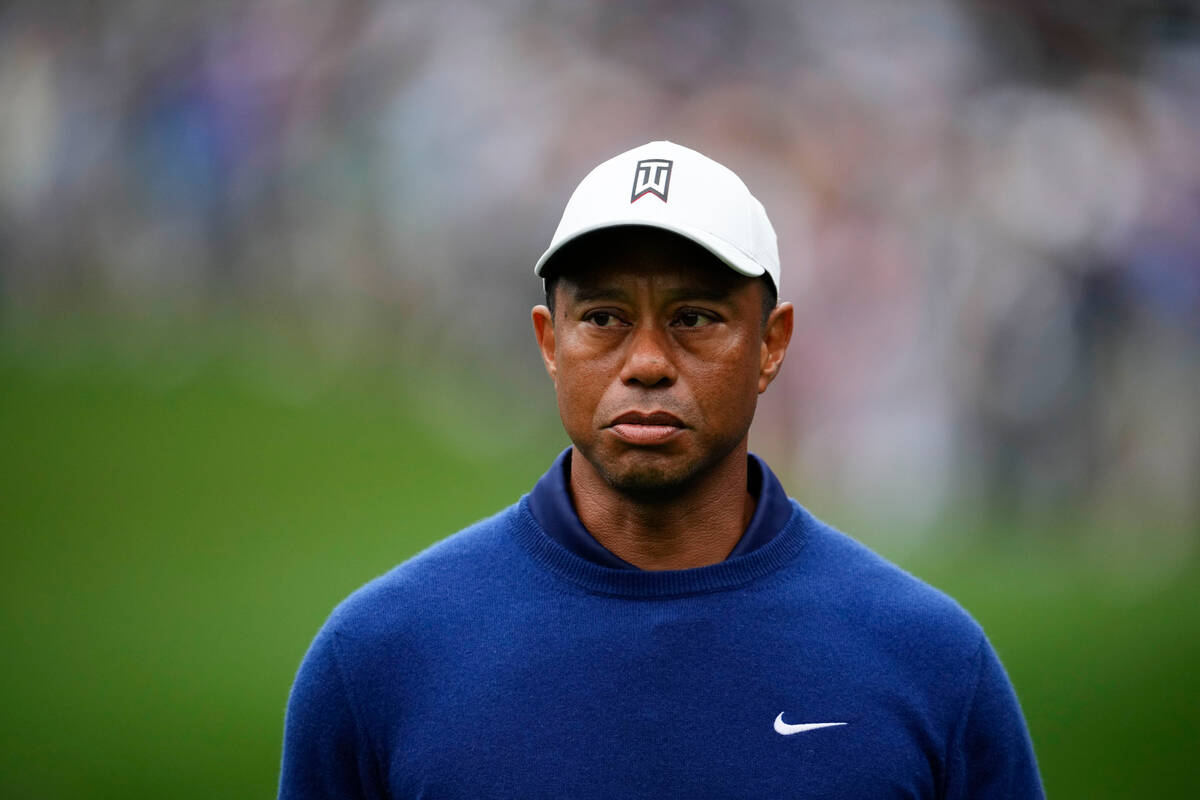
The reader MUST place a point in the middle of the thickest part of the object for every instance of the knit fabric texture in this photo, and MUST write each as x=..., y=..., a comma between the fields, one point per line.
x=499, y=664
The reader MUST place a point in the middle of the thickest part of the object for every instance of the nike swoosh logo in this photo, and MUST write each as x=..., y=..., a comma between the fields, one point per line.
x=785, y=729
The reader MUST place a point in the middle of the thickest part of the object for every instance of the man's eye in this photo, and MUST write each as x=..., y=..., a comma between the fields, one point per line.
x=602, y=319
x=693, y=319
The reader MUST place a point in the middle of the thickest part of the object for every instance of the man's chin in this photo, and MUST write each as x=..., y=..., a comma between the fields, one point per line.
x=649, y=481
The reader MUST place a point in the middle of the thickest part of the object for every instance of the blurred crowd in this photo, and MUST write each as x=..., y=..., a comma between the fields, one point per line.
x=988, y=212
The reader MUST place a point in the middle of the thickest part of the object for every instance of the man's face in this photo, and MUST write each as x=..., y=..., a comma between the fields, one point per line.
x=658, y=353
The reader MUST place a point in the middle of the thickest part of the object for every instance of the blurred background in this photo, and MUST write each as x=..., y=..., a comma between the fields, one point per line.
x=265, y=274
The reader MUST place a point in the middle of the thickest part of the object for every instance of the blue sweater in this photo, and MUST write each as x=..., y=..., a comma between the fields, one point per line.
x=500, y=664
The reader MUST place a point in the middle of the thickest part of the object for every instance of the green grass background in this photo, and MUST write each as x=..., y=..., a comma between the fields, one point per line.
x=181, y=510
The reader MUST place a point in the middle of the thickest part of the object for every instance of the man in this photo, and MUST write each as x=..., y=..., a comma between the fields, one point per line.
x=656, y=618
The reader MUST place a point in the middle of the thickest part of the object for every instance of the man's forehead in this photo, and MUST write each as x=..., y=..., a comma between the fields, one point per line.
x=618, y=289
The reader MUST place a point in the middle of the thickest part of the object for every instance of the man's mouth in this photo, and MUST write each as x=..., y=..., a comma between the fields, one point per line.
x=646, y=428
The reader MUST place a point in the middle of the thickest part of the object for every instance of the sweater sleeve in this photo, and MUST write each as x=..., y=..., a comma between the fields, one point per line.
x=325, y=754
x=991, y=755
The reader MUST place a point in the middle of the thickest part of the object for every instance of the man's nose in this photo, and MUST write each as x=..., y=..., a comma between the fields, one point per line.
x=648, y=358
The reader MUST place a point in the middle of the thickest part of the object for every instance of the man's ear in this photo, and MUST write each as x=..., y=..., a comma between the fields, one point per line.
x=543, y=331
x=776, y=335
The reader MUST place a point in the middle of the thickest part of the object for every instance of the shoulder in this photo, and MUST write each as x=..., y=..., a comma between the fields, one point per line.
x=880, y=598
x=432, y=583
x=909, y=644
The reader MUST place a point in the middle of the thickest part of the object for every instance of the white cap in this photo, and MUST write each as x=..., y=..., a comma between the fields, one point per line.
x=665, y=185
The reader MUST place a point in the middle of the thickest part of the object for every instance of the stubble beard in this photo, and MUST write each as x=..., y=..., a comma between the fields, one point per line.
x=647, y=484
x=650, y=482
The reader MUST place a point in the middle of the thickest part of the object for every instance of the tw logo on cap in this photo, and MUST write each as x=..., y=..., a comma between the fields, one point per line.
x=652, y=176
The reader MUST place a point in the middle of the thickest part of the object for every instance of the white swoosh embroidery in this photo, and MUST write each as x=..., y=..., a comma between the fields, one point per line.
x=785, y=729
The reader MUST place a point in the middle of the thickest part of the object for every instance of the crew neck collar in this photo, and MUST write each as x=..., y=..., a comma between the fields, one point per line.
x=777, y=532
x=729, y=574
x=550, y=503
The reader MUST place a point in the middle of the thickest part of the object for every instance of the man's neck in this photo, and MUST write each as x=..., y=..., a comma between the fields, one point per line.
x=698, y=527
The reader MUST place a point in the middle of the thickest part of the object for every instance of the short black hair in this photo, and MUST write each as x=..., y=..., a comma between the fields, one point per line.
x=582, y=250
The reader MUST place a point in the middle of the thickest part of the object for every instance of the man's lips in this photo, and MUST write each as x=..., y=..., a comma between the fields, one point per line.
x=640, y=427
x=648, y=418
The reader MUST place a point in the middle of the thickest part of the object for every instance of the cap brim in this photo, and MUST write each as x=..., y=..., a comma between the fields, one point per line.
x=731, y=255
